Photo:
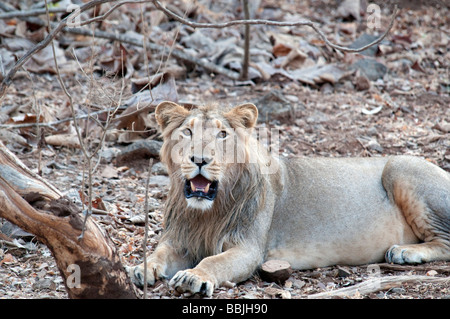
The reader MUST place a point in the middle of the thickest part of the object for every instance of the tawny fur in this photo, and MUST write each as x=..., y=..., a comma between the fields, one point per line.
x=312, y=212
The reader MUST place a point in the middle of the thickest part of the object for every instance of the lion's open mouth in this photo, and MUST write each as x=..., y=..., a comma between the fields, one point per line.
x=200, y=187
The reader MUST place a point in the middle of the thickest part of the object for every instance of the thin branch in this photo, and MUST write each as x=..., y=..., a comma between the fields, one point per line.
x=377, y=284
x=61, y=26
x=245, y=63
x=308, y=23
x=111, y=10
x=77, y=129
x=29, y=13
x=144, y=243
x=51, y=124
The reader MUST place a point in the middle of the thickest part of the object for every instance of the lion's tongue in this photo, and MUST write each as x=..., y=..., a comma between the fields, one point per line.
x=199, y=183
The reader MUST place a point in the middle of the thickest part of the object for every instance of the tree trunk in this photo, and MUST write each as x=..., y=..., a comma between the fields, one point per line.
x=90, y=267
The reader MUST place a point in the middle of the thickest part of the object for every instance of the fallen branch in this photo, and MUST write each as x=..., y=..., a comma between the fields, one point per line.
x=91, y=268
x=246, y=60
x=415, y=268
x=61, y=26
x=377, y=284
x=29, y=13
x=308, y=23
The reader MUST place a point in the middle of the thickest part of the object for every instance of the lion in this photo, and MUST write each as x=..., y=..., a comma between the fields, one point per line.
x=226, y=215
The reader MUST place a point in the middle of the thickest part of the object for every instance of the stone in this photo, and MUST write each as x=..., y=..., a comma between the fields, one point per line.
x=371, y=68
x=343, y=272
x=275, y=271
x=275, y=106
x=142, y=149
x=362, y=83
x=363, y=40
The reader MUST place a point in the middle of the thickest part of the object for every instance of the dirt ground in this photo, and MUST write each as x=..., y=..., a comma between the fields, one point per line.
x=403, y=110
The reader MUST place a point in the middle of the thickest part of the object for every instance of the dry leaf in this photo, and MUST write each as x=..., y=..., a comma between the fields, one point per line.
x=7, y=259
x=373, y=111
x=67, y=140
x=109, y=172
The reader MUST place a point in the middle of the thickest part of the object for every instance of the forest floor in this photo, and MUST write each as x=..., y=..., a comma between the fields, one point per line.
x=390, y=101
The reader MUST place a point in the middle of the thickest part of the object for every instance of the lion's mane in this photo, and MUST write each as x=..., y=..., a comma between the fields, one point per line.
x=197, y=233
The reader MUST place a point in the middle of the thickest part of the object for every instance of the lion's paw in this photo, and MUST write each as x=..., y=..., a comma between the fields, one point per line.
x=403, y=255
x=154, y=272
x=194, y=281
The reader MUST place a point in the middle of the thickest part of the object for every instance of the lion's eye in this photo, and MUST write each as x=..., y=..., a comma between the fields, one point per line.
x=222, y=134
x=187, y=132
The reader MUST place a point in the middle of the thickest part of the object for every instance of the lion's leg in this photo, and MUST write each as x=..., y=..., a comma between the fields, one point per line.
x=422, y=193
x=162, y=264
x=234, y=265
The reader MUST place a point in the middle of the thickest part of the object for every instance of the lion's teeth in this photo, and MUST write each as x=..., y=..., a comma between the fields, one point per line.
x=200, y=189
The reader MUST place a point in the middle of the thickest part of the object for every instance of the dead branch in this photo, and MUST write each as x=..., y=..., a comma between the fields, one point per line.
x=29, y=13
x=144, y=243
x=415, y=268
x=377, y=284
x=36, y=206
x=308, y=23
x=61, y=26
x=58, y=27
x=246, y=61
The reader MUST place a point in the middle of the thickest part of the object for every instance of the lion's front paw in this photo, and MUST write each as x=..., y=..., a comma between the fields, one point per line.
x=193, y=280
x=154, y=272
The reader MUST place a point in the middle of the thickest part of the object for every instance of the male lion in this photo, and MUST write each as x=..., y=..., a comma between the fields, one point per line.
x=224, y=217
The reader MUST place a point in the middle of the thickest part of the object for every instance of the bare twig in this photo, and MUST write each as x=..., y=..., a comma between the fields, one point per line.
x=144, y=243
x=68, y=119
x=308, y=23
x=77, y=129
x=245, y=63
x=111, y=10
x=29, y=13
x=88, y=155
x=377, y=284
x=61, y=26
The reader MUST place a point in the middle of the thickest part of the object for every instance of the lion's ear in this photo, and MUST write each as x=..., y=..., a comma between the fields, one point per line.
x=245, y=115
x=167, y=112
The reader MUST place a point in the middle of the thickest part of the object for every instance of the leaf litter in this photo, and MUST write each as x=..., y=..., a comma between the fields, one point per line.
x=390, y=99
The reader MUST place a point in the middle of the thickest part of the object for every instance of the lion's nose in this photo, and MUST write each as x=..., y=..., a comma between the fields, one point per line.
x=200, y=161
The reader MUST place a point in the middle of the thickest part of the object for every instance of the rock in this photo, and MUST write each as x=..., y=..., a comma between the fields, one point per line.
x=298, y=284
x=363, y=40
x=159, y=169
x=371, y=68
x=398, y=290
x=274, y=106
x=108, y=154
x=142, y=149
x=14, y=231
x=343, y=271
x=349, y=9
x=275, y=271
x=109, y=172
x=43, y=284
x=362, y=83
x=444, y=127
x=159, y=181
x=432, y=273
